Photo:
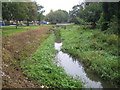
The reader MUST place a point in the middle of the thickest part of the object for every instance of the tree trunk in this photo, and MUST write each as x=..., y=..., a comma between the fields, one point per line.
x=34, y=22
x=27, y=22
x=93, y=25
x=39, y=22
x=16, y=24
x=7, y=22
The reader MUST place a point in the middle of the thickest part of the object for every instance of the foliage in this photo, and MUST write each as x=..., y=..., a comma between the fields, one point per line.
x=104, y=14
x=74, y=15
x=6, y=11
x=110, y=10
x=114, y=26
x=40, y=13
x=89, y=14
x=19, y=11
x=41, y=67
x=59, y=16
x=96, y=49
x=92, y=14
x=32, y=11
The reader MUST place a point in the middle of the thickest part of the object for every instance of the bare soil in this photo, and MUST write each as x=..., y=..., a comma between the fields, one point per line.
x=17, y=47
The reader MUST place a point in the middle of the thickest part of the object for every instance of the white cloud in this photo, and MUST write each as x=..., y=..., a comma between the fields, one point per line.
x=58, y=4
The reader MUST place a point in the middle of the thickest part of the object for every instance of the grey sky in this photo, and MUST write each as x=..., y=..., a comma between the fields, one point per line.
x=58, y=4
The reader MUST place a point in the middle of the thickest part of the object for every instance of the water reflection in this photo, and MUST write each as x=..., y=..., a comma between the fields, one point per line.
x=74, y=68
x=58, y=46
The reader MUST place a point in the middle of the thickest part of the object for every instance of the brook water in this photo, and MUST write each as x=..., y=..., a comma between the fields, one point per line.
x=75, y=68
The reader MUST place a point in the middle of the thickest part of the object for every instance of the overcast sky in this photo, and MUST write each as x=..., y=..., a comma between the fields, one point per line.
x=58, y=4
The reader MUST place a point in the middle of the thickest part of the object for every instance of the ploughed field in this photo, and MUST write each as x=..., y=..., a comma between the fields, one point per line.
x=16, y=47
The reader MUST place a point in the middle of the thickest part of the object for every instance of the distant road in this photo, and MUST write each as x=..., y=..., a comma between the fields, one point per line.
x=64, y=23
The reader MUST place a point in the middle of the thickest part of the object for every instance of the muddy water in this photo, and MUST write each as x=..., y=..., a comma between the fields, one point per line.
x=75, y=68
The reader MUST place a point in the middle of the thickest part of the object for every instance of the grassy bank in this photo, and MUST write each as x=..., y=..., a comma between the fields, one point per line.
x=40, y=67
x=96, y=49
x=12, y=29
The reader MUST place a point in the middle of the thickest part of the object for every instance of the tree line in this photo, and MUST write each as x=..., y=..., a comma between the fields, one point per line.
x=21, y=11
x=58, y=16
x=102, y=15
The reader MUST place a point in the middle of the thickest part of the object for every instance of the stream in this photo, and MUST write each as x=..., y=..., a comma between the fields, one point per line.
x=75, y=68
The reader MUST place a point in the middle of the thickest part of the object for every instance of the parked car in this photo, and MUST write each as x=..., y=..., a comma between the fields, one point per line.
x=1, y=24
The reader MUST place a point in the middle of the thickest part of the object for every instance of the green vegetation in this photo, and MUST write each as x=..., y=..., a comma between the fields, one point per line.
x=21, y=11
x=95, y=43
x=40, y=14
x=105, y=17
x=58, y=16
x=90, y=13
x=98, y=50
x=12, y=29
x=41, y=67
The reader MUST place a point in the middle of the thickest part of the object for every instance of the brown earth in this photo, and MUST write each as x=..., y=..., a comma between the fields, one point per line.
x=17, y=47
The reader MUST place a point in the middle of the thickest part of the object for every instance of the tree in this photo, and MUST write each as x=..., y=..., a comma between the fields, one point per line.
x=14, y=11
x=32, y=12
x=40, y=13
x=86, y=12
x=19, y=11
x=92, y=14
x=74, y=13
x=59, y=16
x=110, y=11
x=6, y=12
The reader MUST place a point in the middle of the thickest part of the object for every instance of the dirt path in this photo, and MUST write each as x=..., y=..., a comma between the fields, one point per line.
x=18, y=47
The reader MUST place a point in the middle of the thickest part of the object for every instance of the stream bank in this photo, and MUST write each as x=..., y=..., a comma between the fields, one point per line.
x=71, y=65
x=41, y=68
